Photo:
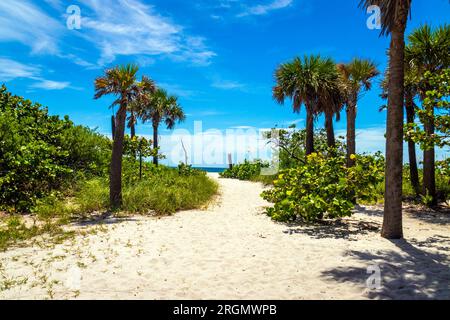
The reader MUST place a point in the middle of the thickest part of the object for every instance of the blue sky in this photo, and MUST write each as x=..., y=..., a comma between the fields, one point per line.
x=218, y=56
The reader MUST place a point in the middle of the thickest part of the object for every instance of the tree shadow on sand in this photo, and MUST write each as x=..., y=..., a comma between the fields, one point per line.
x=338, y=229
x=439, y=215
x=410, y=273
x=106, y=218
x=346, y=228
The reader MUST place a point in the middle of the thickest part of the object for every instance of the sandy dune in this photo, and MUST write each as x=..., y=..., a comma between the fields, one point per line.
x=233, y=251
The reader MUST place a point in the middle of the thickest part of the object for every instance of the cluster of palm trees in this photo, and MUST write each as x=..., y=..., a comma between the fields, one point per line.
x=326, y=88
x=137, y=100
x=428, y=50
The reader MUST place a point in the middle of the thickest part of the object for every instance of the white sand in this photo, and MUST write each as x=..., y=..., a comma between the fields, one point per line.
x=234, y=251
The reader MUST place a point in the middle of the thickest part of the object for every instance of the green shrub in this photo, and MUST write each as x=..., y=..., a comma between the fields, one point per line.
x=92, y=196
x=323, y=188
x=169, y=192
x=245, y=171
x=42, y=153
x=188, y=170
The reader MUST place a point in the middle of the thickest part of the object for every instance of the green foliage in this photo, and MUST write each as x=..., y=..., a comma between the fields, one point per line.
x=436, y=109
x=163, y=190
x=92, y=196
x=323, y=188
x=291, y=145
x=138, y=147
x=41, y=153
x=188, y=170
x=245, y=171
x=443, y=179
x=168, y=192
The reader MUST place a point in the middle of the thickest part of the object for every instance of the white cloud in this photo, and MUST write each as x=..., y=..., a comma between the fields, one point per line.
x=114, y=27
x=177, y=90
x=368, y=140
x=10, y=70
x=227, y=85
x=263, y=9
x=130, y=27
x=23, y=22
x=57, y=4
x=50, y=85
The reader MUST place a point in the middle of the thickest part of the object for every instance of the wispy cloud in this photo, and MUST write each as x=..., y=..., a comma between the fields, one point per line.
x=130, y=27
x=24, y=22
x=10, y=70
x=177, y=90
x=207, y=113
x=263, y=9
x=57, y=4
x=113, y=27
x=50, y=85
x=227, y=84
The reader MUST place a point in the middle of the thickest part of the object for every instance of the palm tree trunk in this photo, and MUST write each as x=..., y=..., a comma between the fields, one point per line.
x=140, y=165
x=429, y=163
x=115, y=183
x=133, y=131
x=351, y=131
x=113, y=126
x=331, y=140
x=413, y=171
x=133, y=135
x=155, y=142
x=392, y=222
x=309, y=130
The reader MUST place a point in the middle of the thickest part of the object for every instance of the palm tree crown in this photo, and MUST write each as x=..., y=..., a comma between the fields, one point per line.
x=311, y=81
x=391, y=12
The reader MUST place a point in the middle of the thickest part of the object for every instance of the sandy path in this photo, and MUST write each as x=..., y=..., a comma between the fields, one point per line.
x=233, y=251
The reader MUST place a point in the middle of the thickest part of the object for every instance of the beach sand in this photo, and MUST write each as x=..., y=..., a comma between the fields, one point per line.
x=233, y=250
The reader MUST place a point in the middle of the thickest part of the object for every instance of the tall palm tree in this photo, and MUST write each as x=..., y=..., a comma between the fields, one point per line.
x=394, y=17
x=331, y=101
x=311, y=82
x=121, y=82
x=146, y=86
x=356, y=77
x=160, y=107
x=428, y=50
x=411, y=91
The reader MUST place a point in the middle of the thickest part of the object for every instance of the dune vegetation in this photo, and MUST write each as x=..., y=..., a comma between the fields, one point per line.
x=55, y=172
x=322, y=176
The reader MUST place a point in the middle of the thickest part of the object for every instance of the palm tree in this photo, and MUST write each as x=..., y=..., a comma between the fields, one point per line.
x=428, y=50
x=411, y=91
x=394, y=17
x=310, y=81
x=160, y=107
x=356, y=77
x=331, y=101
x=121, y=82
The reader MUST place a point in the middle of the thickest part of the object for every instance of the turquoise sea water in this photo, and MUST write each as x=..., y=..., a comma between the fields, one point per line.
x=211, y=169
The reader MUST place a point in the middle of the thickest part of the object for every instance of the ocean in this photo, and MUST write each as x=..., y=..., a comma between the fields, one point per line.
x=211, y=169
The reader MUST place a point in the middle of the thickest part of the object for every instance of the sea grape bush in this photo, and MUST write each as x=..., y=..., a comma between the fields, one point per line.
x=39, y=153
x=292, y=149
x=245, y=171
x=187, y=170
x=323, y=188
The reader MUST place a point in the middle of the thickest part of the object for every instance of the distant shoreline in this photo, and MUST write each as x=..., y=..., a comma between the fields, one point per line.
x=208, y=169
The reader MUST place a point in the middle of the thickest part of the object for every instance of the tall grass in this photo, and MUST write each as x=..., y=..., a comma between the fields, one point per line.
x=168, y=193
x=164, y=192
